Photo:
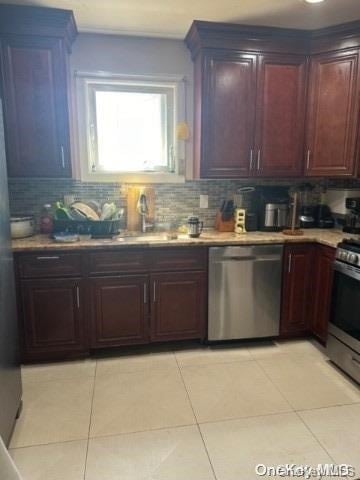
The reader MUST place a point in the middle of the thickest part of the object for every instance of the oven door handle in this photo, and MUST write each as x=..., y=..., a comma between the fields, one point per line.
x=347, y=270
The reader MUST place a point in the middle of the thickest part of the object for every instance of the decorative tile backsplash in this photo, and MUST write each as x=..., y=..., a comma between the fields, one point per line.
x=174, y=202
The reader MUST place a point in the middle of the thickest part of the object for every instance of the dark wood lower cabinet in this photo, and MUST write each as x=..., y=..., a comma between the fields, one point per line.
x=297, y=291
x=53, y=318
x=178, y=306
x=119, y=310
x=323, y=280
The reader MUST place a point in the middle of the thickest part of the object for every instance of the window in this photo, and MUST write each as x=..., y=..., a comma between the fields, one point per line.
x=131, y=126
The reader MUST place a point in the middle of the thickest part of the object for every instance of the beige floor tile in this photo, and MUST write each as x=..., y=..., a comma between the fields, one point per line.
x=54, y=412
x=56, y=461
x=210, y=355
x=58, y=371
x=231, y=390
x=135, y=362
x=237, y=446
x=139, y=401
x=264, y=349
x=309, y=382
x=174, y=454
x=302, y=347
x=338, y=430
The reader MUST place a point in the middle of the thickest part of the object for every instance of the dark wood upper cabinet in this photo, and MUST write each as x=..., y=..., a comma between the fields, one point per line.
x=35, y=43
x=323, y=281
x=53, y=318
x=280, y=115
x=178, y=306
x=120, y=310
x=236, y=63
x=333, y=111
x=228, y=115
x=297, y=290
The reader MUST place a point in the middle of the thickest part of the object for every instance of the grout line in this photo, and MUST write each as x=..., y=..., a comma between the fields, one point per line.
x=91, y=415
x=197, y=423
x=58, y=442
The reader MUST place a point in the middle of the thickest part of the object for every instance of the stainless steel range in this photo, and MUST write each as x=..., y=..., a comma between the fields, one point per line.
x=343, y=346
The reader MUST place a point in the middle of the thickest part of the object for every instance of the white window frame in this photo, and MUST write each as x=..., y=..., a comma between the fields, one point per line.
x=86, y=84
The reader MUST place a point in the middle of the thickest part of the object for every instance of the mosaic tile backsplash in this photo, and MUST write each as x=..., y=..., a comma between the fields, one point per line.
x=174, y=202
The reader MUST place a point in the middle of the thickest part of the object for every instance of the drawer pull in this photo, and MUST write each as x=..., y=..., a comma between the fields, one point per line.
x=48, y=258
x=78, y=297
x=154, y=292
x=145, y=293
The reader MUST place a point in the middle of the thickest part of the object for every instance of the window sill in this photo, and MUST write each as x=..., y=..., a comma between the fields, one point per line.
x=153, y=177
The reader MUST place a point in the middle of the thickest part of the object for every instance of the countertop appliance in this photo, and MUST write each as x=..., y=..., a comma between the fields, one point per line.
x=244, y=292
x=10, y=376
x=352, y=204
x=343, y=346
x=324, y=217
x=307, y=216
x=276, y=216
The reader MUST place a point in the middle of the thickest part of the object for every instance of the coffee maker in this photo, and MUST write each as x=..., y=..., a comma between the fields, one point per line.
x=353, y=218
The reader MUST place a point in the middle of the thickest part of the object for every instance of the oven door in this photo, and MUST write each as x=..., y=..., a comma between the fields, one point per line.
x=345, y=310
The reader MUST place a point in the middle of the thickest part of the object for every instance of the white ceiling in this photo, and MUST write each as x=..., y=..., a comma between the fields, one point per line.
x=172, y=18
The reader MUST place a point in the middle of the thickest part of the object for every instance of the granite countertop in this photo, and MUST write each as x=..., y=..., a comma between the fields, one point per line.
x=208, y=238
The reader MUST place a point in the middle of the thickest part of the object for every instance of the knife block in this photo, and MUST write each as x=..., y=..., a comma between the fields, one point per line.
x=222, y=226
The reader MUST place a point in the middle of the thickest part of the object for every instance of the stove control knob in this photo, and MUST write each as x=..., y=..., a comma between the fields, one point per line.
x=353, y=258
x=343, y=256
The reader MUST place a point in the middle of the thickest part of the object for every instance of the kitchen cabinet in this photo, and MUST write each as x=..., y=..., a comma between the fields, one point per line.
x=35, y=43
x=73, y=302
x=237, y=65
x=119, y=311
x=178, y=306
x=323, y=279
x=280, y=112
x=333, y=111
x=229, y=115
x=53, y=322
x=297, y=290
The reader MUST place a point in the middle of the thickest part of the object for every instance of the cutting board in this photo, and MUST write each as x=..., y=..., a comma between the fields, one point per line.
x=133, y=216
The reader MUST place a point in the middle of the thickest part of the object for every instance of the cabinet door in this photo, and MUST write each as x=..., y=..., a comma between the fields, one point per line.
x=323, y=279
x=333, y=107
x=35, y=107
x=228, y=115
x=178, y=305
x=53, y=320
x=297, y=290
x=280, y=115
x=120, y=310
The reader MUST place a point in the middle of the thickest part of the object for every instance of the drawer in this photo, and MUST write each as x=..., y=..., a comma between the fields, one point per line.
x=50, y=265
x=172, y=259
x=116, y=262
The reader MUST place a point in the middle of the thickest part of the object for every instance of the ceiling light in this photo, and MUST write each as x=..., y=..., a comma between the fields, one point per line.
x=313, y=1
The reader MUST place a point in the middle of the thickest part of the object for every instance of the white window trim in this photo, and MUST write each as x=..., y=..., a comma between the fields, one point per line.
x=82, y=82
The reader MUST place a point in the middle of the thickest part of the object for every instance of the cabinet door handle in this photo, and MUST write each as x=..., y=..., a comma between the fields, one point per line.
x=258, y=159
x=290, y=263
x=48, y=258
x=154, y=292
x=78, y=297
x=308, y=159
x=62, y=156
x=145, y=293
x=251, y=159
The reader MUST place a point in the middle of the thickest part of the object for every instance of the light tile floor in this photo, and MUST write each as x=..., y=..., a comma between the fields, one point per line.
x=187, y=414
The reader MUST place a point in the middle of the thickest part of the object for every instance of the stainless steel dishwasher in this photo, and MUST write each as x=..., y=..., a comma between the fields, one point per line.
x=244, y=292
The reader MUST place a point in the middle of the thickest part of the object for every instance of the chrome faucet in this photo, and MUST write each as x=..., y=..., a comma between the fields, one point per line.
x=142, y=208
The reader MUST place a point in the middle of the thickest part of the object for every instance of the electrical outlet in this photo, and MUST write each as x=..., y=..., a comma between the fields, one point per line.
x=204, y=201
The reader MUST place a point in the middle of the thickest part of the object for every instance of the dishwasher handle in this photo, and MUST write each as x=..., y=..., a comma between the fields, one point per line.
x=251, y=258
